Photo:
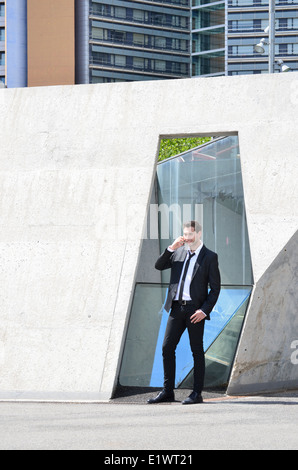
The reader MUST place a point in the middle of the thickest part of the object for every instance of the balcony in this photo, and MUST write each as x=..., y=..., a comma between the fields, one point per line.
x=174, y=71
x=158, y=21
x=138, y=45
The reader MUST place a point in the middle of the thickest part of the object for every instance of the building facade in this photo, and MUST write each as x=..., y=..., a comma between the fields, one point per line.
x=37, y=43
x=2, y=42
x=91, y=41
x=208, y=37
x=51, y=42
x=246, y=24
x=224, y=34
x=132, y=40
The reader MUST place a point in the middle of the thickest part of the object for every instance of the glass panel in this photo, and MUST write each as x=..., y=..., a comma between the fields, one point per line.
x=206, y=184
x=142, y=335
x=203, y=184
x=220, y=355
x=2, y=58
x=142, y=360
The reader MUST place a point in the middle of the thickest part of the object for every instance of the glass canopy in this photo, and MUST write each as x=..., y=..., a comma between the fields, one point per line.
x=203, y=184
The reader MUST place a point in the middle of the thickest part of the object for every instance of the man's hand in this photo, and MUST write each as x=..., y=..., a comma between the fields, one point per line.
x=178, y=243
x=197, y=316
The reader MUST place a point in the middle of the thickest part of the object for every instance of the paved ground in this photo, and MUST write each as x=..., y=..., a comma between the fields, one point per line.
x=128, y=423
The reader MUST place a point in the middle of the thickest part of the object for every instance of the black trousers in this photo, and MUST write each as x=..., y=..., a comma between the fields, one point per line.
x=179, y=320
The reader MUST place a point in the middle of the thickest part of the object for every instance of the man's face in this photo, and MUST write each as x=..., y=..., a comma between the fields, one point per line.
x=191, y=237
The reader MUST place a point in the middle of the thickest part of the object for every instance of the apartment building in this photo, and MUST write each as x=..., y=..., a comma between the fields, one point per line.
x=56, y=42
x=37, y=42
x=127, y=40
x=224, y=35
x=247, y=21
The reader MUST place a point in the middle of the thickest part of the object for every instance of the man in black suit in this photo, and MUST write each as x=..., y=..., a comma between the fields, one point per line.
x=193, y=269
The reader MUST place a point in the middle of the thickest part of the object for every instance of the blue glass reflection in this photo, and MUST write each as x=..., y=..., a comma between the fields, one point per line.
x=229, y=302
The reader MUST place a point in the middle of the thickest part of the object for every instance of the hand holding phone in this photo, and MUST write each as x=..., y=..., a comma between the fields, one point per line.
x=178, y=243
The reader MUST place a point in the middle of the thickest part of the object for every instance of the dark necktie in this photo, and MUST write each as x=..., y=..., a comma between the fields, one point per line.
x=190, y=255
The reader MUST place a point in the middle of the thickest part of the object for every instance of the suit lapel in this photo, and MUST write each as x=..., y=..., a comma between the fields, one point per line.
x=182, y=257
x=199, y=261
x=181, y=254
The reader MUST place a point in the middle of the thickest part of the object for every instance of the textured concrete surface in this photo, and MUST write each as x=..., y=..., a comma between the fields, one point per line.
x=266, y=357
x=77, y=165
x=71, y=228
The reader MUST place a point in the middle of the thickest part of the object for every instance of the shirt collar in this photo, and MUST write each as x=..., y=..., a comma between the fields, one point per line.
x=197, y=250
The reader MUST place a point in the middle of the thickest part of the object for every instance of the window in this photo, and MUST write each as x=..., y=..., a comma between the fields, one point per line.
x=101, y=58
x=108, y=35
x=120, y=60
x=159, y=19
x=138, y=15
x=99, y=9
x=179, y=44
x=283, y=49
x=138, y=62
x=160, y=65
x=117, y=36
x=183, y=22
x=160, y=42
x=138, y=39
x=240, y=50
x=2, y=34
x=183, y=45
x=283, y=23
x=292, y=49
x=177, y=67
x=120, y=12
x=99, y=33
x=292, y=23
x=2, y=58
x=246, y=25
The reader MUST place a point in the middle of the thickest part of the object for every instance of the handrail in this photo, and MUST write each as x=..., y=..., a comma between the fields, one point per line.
x=170, y=3
x=131, y=68
x=140, y=45
x=162, y=25
x=166, y=284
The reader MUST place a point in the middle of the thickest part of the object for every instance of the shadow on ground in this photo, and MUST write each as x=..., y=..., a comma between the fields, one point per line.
x=142, y=394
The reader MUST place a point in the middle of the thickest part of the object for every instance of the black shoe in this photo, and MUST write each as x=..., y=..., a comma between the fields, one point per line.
x=162, y=397
x=194, y=397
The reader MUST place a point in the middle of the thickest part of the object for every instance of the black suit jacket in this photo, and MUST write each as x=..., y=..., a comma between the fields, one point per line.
x=206, y=273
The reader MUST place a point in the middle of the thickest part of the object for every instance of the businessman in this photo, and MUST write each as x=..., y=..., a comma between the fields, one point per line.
x=194, y=268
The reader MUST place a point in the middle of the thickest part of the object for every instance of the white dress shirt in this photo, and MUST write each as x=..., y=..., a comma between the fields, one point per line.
x=186, y=290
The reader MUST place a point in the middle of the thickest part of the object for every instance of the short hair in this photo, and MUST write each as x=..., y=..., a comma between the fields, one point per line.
x=194, y=224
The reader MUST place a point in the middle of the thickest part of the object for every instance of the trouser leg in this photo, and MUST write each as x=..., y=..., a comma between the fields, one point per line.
x=175, y=328
x=196, y=333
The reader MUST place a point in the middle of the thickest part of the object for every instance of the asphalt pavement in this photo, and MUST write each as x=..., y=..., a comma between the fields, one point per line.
x=128, y=423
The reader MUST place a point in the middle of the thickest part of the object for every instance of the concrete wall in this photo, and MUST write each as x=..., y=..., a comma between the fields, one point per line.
x=77, y=165
x=265, y=358
x=73, y=166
